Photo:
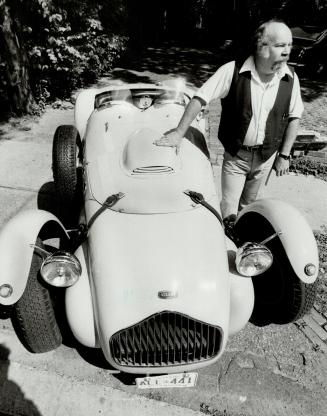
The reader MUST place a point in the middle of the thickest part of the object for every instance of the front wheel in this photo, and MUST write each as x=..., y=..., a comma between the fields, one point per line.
x=67, y=173
x=280, y=296
x=33, y=315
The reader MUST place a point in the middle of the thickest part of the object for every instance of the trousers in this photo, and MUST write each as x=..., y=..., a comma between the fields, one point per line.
x=242, y=180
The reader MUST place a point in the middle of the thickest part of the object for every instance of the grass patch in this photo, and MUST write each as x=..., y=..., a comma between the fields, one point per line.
x=308, y=165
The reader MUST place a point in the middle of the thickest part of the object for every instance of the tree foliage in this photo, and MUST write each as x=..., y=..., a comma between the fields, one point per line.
x=66, y=42
x=53, y=46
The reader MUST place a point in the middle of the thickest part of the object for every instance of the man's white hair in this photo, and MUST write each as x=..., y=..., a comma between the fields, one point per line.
x=260, y=37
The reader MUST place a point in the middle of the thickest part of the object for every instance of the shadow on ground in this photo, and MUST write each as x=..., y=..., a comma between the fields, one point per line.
x=312, y=89
x=194, y=65
x=12, y=399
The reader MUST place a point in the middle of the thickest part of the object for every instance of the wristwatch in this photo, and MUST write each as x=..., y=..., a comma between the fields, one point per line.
x=284, y=156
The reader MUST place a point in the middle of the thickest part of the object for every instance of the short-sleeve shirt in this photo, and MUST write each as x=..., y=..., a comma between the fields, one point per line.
x=263, y=95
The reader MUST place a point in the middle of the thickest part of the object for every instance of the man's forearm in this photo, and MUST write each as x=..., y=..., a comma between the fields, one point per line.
x=290, y=136
x=191, y=111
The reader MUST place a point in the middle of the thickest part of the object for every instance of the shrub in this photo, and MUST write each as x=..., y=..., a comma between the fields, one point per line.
x=69, y=60
x=66, y=42
x=308, y=165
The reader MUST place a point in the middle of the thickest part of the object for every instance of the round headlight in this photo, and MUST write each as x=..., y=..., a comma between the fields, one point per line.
x=253, y=259
x=61, y=269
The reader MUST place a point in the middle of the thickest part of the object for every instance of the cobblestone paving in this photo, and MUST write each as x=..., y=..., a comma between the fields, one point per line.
x=314, y=327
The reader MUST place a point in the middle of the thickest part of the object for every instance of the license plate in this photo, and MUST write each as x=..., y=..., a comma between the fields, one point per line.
x=169, y=380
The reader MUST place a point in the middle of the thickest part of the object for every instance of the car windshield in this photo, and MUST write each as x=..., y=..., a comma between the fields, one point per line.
x=141, y=98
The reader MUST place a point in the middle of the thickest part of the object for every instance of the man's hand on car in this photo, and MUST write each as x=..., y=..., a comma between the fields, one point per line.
x=171, y=138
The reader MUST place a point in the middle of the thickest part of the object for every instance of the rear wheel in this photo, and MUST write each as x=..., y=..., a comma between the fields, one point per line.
x=67, y=173
x=33, y=315
x=280, y=296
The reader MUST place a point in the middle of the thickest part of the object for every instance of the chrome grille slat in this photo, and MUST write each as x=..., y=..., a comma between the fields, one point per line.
x=133, y=345
x=188, y=340
x=194, y=341
x=164, y=339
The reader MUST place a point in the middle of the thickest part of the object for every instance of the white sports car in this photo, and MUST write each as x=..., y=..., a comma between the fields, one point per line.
x=147, y=272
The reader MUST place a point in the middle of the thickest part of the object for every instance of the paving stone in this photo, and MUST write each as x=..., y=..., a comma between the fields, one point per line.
x=322, y=334
x=320, y=155
x=314, y=338
x=297, y=153
x=318, y=317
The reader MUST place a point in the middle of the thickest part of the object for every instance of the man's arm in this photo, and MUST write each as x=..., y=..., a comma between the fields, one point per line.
x=282, y=165
x=175, y=137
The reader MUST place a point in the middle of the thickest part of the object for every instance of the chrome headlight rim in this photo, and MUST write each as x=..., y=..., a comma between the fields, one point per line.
x=66, y=260
x=245, y=252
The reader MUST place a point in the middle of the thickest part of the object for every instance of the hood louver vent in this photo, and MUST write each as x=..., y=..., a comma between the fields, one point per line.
x=153, y=169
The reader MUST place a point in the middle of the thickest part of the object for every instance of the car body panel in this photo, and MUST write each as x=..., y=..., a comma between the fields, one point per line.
x=78, y=303
x=84, y=107
x=139, y=252
x=241, y=294
x=17, y=239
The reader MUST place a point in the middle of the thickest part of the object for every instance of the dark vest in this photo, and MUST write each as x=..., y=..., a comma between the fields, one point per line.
x=236, y=114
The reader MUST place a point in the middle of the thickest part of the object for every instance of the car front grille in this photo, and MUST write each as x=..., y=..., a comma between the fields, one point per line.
x=165, y=339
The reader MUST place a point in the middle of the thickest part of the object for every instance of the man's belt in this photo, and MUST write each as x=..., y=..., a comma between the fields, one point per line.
x=251, y=148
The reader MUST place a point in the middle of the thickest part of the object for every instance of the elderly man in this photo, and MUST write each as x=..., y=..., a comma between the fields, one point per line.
x=261, y=108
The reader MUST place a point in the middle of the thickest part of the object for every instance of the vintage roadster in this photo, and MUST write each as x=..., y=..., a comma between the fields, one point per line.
x=147, y=272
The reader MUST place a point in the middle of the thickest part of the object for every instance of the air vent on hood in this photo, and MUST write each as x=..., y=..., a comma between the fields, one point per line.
x=153, y=169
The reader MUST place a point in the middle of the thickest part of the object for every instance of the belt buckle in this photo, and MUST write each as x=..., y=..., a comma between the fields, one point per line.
x=254, y=148
x=251, y=149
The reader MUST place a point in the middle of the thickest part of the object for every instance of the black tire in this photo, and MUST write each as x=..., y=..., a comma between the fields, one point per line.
x=280, y=296
x=67, y=175
x=33, y=315
x=5, y=311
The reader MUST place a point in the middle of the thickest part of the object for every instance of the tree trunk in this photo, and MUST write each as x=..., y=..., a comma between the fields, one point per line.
x=18, y=88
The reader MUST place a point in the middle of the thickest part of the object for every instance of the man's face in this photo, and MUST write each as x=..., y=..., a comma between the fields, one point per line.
x=275, y=48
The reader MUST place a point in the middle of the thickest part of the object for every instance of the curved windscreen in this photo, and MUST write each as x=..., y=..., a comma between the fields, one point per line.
x=141, y=98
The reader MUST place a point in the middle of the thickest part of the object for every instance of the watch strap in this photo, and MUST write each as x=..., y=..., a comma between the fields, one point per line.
x=284, y=156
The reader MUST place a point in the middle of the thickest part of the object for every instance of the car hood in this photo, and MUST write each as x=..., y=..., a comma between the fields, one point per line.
x=152, y=178
x=135, y=258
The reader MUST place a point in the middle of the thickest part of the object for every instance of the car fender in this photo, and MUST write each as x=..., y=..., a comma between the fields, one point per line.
x=296, y=235
x=17, y=239
x=241, y=294
x=79, y=308
x=84, y=107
